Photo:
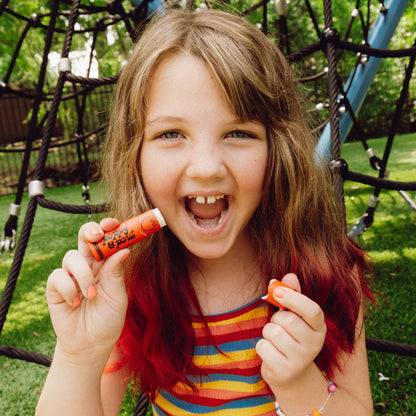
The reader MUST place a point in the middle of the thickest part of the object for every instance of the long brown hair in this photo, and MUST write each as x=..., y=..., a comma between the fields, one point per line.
x=297, y=227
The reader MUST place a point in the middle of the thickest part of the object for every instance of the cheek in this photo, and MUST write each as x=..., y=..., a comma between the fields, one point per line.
x=158, y=179
x=254, y=174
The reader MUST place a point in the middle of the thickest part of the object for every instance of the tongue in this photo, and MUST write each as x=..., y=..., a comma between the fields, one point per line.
x=206, y=211
x=207, y=222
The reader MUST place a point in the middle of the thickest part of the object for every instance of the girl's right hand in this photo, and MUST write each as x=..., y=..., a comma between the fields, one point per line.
x=87, y=299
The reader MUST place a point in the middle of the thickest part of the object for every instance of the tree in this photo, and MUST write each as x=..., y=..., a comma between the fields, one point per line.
x=112, y=44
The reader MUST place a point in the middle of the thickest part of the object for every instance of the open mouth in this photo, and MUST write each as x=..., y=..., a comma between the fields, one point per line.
x=207, y=211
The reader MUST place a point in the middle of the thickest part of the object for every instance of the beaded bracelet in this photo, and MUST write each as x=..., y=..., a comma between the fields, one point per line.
x=331, y=389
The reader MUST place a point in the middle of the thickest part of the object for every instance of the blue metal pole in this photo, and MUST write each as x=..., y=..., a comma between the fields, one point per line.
x=357, y=85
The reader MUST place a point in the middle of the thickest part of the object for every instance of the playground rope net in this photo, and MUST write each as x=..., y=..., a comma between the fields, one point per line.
x=341, y=101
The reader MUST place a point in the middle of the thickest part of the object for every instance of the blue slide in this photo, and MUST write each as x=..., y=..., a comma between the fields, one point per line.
x=357, y=85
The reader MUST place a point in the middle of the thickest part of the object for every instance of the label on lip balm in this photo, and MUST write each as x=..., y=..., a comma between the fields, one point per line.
x=127, y=233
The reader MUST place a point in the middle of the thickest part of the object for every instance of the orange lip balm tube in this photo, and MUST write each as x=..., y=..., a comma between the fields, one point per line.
x=128, y=233
x=273, y=284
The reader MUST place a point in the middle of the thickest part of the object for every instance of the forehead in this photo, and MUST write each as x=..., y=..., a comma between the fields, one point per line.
x=182, y=83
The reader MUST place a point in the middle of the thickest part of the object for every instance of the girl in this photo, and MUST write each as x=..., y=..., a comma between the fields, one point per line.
x=208, y=127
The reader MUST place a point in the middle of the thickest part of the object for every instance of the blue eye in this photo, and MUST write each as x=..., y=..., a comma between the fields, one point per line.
x=169, y=135
x=238, y=134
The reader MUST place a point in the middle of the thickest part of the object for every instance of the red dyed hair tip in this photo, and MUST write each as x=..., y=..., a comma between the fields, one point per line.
x=273, y=284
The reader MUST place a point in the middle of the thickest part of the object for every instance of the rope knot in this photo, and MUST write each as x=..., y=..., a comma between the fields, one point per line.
x=339, y=166
x=329, y=35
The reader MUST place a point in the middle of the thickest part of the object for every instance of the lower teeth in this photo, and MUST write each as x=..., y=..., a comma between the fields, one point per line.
x=207, y=222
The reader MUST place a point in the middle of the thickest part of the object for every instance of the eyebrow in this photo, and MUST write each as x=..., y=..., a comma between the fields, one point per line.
x=163, y=119
x=168, y=118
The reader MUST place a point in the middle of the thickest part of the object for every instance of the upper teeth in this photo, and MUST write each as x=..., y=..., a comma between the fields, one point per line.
x=206, y=200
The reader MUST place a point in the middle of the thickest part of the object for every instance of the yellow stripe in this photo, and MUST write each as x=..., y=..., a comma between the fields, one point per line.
x=238, y=386
x=207, y=360
x=174, y=410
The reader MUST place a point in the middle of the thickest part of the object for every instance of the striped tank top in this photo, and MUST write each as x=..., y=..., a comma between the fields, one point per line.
x=234, y=385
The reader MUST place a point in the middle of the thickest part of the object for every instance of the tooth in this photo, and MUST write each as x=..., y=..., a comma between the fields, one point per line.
x=200, y=199
x=211, y=199
x=219, y=197
x=222, y=215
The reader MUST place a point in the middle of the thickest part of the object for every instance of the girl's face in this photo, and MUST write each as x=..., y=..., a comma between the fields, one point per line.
x=201, y=166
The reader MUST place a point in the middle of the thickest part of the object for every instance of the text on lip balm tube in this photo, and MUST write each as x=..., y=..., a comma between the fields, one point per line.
x=127, y=233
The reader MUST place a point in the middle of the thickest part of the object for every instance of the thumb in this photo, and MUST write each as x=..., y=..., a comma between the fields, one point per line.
x=291, y=280
x=112, y=279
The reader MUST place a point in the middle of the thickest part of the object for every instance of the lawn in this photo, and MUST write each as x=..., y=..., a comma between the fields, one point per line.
x=390, y=242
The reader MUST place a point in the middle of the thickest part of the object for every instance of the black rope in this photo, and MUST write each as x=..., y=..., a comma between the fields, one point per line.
x=36, y=105
x=380, y=182
x=8, y=291
x=3, y=6
x=141, y=404
x=7, y=294
x=15, y=55
x=397, y=114
x=71, y=209
x=391, y=347
x=92, y=82
x=21, y=354
x=10, y=228
x=50, y=125
x=350, y=46
x=376, y=52
x=329, y=43
x=330, y=35
x=313, y=18
x=98, y=131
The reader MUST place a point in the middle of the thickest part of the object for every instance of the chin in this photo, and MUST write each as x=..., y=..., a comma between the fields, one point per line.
x=208, y=253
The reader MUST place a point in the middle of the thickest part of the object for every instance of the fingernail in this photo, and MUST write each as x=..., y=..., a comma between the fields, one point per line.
x=92, y=292
x=94, y=232
x=76, y=301
x=279, y=292
x=125, y=257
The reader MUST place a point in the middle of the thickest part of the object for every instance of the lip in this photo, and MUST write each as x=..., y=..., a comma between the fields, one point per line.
x=205, y=194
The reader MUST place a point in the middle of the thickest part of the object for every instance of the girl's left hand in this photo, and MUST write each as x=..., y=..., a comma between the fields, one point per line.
x=293, y=338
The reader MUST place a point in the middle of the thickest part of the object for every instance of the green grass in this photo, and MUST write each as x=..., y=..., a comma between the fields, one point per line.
x=390, y=242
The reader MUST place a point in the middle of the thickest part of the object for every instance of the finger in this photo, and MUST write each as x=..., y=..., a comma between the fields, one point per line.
x=79, y=270
x=268, y=353
x=108, y=224
x=298, y=329
x=61, y=288
x=292, y=280
x=93, y=232
x=112, y=277
x=303, y=306
x=90, y=231
x=112, y=271
x=280, y=338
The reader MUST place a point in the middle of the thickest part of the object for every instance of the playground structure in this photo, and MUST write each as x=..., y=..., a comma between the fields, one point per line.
x=344, y=102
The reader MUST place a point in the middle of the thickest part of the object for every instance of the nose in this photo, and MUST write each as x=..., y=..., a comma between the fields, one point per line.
x=206, y=161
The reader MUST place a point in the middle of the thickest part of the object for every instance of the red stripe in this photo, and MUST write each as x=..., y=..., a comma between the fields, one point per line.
x=228, y=315
x=249, y=367
x=210, y=397
x=234, y=337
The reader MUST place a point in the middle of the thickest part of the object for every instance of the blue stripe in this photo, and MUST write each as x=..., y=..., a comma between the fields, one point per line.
x=234, y=404
x=225, y=377
x=245, y=344
x=158, y=411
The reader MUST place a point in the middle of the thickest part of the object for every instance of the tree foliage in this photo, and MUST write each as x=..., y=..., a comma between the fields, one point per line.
x=111, y=44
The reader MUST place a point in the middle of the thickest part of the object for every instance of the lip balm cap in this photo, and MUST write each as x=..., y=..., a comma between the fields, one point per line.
x=159, y=217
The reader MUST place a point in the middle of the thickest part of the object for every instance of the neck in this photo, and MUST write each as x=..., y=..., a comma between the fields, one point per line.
x=226, y=283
